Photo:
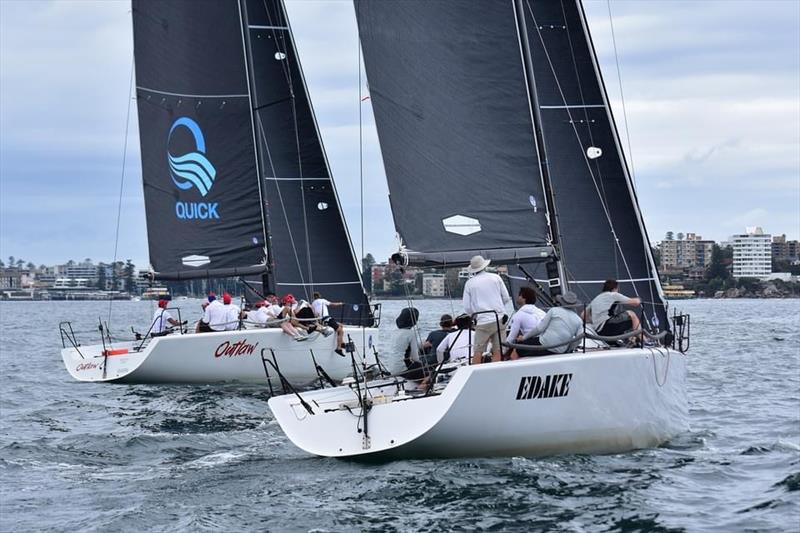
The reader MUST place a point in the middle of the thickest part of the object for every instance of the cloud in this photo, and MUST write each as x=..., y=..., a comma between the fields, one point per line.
x=712, y=97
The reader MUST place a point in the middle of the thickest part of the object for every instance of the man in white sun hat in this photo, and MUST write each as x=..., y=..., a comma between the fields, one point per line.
x=485, y=291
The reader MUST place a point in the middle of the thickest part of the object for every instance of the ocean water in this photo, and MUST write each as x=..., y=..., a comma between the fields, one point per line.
x=90, y=457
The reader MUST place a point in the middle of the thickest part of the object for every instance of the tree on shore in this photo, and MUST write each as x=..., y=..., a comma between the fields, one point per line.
x=101, y=276
x=130, y=272
x=366, y=271
x=116, y=274
x=656, y=256
x=716, y=268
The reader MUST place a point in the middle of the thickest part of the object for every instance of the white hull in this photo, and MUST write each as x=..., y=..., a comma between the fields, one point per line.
x=614, y=401
x=216, y=357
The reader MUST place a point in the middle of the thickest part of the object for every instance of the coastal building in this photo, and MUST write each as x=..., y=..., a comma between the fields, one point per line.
x=68, y=284
x=686, y=253
x=83, y=270
x=10, y=278
x=433, y=285
x=752, y=254
x=783, y=250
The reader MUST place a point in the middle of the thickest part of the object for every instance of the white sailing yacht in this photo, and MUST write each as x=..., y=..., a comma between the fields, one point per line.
x=236, y=184
x=498, y=139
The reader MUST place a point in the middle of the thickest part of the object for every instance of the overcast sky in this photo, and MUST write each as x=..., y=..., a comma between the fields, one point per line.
x=712, y=91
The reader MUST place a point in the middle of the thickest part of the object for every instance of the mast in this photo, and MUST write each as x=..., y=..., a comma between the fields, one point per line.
x=267, y=283
x=555, y=270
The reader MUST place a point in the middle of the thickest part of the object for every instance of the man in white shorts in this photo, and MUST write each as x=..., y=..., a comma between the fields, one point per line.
x=485, y=291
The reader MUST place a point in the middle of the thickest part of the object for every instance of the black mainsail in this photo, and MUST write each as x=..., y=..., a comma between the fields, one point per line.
x=235, y=178
x=448, y=93
x=483, y=105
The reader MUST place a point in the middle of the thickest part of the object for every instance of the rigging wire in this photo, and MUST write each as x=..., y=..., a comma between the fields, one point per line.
x=122, y=178
x=269, y=153
x=361, y=189
x=621, y=94
x=361, y=150
x=578, y=138
x=625, y=120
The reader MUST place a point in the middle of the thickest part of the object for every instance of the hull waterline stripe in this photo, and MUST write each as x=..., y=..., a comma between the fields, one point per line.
x=328, y=283
x=570, y=106
x=259, y=27
x=166, y=93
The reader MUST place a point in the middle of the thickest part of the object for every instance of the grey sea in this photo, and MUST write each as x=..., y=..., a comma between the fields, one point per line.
x=87, y=457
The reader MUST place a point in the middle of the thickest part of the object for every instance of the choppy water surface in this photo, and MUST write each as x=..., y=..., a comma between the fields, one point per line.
x=77, y=456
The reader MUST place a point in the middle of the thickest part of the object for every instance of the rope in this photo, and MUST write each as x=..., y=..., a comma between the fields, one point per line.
x=122, y=178
x=659, y=382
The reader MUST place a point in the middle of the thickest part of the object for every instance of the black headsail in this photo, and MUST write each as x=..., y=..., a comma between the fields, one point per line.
x=230, y=71
x=309, y=243
x=452, y=108
x=602, y=230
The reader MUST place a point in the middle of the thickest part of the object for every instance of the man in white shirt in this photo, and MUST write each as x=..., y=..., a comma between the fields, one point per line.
x=273, y=308
x=320, y=307
x=260, y=315
x=162, y=320
x=232, y=313
x=458, y=342
x=214, y=317
x=526, y=318
x=485, y=291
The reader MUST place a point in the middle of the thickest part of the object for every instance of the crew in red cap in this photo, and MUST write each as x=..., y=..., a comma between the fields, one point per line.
x=162, y=320
x=214, y=316
x=232, y=312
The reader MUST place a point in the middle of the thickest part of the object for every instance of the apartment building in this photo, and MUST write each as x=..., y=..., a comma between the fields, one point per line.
x=752, y=254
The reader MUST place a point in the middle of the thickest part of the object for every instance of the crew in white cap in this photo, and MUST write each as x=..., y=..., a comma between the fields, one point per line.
x=485, y=291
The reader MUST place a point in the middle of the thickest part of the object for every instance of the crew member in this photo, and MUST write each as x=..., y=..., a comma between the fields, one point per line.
x=485, y=291
x=162, y=320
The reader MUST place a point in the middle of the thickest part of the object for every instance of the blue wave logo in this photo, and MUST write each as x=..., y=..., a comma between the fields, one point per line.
x=192, y=169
